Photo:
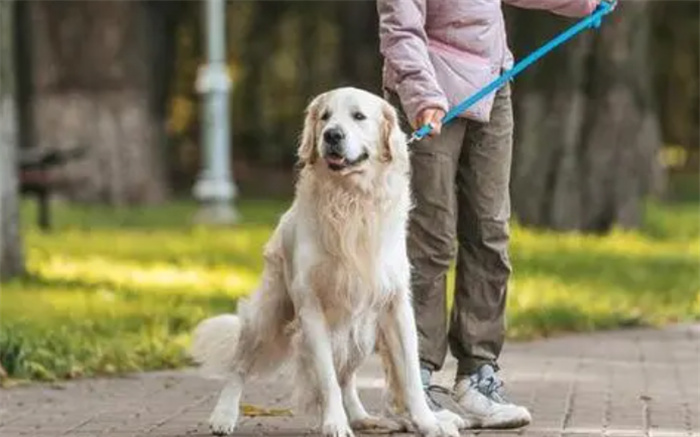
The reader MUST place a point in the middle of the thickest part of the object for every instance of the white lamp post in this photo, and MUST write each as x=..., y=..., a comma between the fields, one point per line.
x=215, y=188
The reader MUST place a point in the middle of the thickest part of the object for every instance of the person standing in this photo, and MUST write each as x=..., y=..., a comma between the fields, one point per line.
x=436, y=54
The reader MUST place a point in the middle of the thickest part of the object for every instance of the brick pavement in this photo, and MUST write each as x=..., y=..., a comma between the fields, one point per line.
x=640, y=382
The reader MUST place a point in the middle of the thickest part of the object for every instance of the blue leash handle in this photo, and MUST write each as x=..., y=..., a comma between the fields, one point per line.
x=592, y=21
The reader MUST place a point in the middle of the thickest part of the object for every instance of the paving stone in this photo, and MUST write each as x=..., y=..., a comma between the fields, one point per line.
x=631, y=383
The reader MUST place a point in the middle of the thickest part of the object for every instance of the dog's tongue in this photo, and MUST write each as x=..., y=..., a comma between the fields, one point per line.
x=335, y=160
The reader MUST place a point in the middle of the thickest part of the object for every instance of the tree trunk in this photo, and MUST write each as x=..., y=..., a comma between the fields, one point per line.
x=96, y=84
x=677, y=74
x=587, y=136
x=359, y=40
x=11, y=255
x=259, y=131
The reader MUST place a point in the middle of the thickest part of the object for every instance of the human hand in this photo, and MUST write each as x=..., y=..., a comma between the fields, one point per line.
x=432, y=116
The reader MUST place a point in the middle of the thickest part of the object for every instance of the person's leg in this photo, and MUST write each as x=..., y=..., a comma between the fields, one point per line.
x=431, y=239
x=483, y=268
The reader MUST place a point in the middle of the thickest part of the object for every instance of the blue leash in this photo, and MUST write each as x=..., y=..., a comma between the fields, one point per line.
x=591, y=21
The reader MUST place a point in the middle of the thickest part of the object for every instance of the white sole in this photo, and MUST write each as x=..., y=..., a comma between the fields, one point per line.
x=497, y=421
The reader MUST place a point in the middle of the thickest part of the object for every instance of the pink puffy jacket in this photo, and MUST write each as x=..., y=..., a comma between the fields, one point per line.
x=439, y=52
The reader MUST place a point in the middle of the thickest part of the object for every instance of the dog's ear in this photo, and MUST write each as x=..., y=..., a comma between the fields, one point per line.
x=307, y=152
x=393, y=138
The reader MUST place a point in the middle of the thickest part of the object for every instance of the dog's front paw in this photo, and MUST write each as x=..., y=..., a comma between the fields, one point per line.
x=337, y=429
x=437, y=428
x=447, y=416
x=223, y=421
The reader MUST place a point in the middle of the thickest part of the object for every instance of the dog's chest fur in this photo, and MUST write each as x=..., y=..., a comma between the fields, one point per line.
x=361, y=264
x=355, y=257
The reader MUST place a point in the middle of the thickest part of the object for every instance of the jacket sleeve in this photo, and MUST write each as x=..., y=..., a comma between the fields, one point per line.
x=404, y=45
x=569, y=8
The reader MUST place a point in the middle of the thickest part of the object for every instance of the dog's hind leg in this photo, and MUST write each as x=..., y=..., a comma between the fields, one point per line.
x=216, y=346
x=225, y=415
x=360, y=419
x=351, y=401
x=243, y=346
x=259, y=351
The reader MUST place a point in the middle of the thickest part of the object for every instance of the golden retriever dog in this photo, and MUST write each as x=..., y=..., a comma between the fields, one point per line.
x=336, y=281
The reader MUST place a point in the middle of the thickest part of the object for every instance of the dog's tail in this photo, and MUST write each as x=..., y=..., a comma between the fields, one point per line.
x=214, y=344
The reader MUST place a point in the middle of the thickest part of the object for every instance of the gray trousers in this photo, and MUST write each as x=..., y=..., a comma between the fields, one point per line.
x=460, y=182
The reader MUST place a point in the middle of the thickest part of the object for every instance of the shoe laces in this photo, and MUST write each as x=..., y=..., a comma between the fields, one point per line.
x=488, y=383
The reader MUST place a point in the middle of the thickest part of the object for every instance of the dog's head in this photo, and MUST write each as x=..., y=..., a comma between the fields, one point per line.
x=349, y=131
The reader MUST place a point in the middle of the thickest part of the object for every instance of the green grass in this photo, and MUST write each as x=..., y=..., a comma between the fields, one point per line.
x=112, y=291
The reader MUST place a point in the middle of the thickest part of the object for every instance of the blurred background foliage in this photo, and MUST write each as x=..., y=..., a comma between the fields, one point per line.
x=77, y=61
x=606, y=149
x=283, y=52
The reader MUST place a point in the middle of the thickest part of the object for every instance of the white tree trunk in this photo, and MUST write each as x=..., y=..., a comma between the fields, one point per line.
x=11, y=255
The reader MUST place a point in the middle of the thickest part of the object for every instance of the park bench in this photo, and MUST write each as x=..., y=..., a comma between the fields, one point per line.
x=36, y=177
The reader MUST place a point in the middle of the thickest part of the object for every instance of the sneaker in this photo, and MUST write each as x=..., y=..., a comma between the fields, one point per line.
x=482, y=399
x=439, y=398
x=431, y=391
x=441, y=402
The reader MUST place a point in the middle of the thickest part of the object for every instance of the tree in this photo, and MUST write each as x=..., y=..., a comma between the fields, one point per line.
x=587, y=135
x=11, y=255
x=359, y=59
x=99, y=79
x=676, y=55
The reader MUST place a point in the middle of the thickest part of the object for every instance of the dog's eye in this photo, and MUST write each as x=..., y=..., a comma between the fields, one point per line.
x=325, y=116
x=358, y=116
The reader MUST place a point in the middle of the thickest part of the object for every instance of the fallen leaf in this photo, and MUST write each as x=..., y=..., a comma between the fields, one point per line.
x=249, y=410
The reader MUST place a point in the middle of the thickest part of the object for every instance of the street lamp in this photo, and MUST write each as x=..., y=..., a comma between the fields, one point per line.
x=215, y=189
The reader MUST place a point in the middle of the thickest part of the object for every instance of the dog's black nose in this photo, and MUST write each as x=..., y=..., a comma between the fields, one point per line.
x=333, y=136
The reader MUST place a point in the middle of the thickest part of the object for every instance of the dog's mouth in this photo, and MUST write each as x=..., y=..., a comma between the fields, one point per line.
x=337, y=162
